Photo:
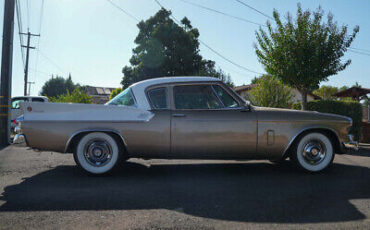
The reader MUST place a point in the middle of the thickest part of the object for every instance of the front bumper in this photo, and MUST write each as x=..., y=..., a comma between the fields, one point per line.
x=351, y=144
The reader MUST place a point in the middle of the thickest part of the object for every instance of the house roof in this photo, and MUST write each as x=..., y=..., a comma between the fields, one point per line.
x=354, y=92
x=103, y=91
x=242, y=88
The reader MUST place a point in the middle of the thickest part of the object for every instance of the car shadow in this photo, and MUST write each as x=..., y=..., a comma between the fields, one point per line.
x=363, y=152
x=247, y=192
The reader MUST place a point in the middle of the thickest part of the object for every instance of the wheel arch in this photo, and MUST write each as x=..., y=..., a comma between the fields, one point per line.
x=76, y=136
x=330, y=133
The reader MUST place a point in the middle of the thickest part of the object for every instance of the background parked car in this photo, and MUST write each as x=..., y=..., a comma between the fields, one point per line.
x=16, y=112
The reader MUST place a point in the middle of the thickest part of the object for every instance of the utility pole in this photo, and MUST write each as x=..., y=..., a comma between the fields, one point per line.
x=29, y=87
x=6, y=72
x=27, y=58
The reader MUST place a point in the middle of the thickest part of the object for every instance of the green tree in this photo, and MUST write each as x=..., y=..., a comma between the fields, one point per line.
x=77, y=96
x=304, y=52
x=343, y=88
x=326, y=92
x=57, y=86
x=271, y=92
x=254, y=80
x=165, y=48
x=114, y=93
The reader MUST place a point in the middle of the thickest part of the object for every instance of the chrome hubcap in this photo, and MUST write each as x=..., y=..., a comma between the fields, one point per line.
x=98, y=152
x=314, y=152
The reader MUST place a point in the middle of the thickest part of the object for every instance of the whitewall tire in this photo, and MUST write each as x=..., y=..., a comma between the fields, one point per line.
x=313, y=152
x=97, y=153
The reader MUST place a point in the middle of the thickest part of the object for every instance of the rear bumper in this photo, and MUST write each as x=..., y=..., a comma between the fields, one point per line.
x=19, y=139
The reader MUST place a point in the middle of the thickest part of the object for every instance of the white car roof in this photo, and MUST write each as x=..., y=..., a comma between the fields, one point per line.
x=30, y=97
x=139, y=87
x=164, y=80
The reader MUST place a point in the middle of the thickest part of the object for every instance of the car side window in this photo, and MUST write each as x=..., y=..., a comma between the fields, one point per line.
x=195, y=97
x=158, y=98
x=38, y=99
x=225, y=97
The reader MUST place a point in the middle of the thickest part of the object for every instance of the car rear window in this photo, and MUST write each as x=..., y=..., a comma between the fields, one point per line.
x=38, y=99
x=158, y=98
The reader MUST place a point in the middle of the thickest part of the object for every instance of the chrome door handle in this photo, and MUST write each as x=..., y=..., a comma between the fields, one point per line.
x=178, y=115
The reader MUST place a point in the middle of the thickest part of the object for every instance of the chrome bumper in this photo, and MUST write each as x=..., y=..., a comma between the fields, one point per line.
x=351, y=144
x=19, y=139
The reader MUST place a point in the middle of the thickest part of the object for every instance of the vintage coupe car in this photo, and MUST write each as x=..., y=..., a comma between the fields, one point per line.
x=183, y=118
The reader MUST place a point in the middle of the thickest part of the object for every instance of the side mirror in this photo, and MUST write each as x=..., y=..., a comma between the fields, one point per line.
x=246, y=108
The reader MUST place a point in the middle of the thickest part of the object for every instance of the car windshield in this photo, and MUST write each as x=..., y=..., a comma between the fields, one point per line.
x=124, y=98
x=15, y=103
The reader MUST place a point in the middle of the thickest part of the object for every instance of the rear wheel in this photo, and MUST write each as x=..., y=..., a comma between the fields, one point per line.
x=313, y=152
x=97, y=153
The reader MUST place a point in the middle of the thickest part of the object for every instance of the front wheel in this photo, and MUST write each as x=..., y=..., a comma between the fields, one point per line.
x=313, y=152
x=97, y=153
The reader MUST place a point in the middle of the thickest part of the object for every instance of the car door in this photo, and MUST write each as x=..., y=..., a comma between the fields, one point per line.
x=208, y=121
x=150, y=139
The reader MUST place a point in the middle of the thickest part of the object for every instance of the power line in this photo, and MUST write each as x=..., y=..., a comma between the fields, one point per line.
x=250, y=7
x=213, y=50
x=52, y=62
x=222, y=13
x=28, y=16
x=38, y=41
x=42, y=72
x=228, y=60
x=363, y=50
x=20, y=29
x=357, y=52
x=124, y=11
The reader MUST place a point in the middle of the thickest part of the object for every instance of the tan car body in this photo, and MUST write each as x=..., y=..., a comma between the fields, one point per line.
x=246, y=132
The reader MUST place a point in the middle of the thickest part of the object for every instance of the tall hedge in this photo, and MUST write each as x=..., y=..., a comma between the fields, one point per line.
x=349, y=109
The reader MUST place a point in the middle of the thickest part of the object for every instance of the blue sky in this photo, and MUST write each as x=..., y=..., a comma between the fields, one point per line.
x=93, y=40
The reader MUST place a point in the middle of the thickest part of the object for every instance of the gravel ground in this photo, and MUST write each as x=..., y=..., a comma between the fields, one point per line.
x=43, y=190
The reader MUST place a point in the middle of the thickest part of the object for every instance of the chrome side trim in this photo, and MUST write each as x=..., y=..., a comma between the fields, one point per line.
x=89, y=121
x=306, y=129
x=93, y=130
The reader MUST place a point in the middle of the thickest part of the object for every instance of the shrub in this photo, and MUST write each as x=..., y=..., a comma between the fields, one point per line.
x=270, y=92
x=77, y=96
x=346, y=108
x=114, y=93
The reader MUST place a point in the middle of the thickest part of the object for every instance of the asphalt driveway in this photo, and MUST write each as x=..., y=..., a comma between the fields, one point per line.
x=47, y=190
